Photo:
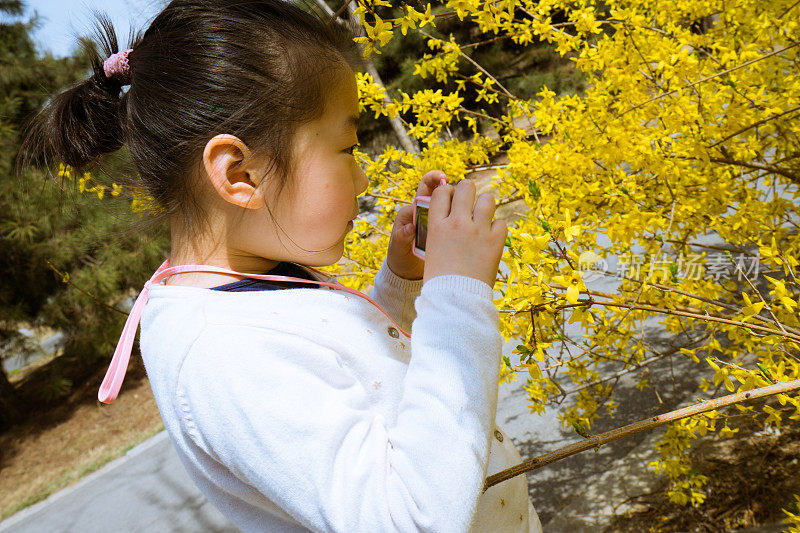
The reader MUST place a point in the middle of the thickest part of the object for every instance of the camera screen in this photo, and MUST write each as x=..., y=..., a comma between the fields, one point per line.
x=422, y=226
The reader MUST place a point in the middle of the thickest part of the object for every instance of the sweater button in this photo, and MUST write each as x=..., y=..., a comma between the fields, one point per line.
x=393, y=332
x=498, y=435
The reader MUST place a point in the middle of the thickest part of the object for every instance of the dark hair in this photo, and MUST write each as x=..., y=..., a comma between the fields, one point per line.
x=256, y=69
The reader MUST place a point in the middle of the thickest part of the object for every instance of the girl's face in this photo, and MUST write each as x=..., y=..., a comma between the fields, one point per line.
x=317, y=214
x=312, y=217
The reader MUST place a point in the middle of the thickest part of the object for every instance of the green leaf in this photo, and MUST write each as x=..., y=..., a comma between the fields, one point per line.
x=580, y=430
x=534, y=190
x=766, y=372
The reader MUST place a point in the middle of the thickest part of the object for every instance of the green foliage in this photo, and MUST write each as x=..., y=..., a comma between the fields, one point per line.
x=41, y=220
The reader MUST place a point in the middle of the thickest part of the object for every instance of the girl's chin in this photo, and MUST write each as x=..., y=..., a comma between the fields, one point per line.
x=347, y=230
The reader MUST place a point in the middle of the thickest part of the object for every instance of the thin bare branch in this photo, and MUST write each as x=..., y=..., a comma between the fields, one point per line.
x=596, y=441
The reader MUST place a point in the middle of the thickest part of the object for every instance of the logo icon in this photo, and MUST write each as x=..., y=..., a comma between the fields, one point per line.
x=591, y=265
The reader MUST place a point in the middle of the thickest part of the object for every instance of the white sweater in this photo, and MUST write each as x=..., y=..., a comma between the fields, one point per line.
x=304, y=409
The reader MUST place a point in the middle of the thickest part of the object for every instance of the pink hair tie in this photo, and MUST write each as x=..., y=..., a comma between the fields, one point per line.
x=117, y=64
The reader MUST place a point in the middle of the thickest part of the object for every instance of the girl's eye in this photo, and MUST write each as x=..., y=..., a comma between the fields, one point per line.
x=350, y=150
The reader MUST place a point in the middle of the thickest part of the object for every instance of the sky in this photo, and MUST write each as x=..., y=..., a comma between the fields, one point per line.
x=63, y=20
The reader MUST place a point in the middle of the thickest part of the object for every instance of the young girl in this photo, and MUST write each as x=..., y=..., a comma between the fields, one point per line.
x=294, y=403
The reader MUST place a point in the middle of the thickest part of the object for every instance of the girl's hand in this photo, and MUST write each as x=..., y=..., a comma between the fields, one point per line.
x=399, y=257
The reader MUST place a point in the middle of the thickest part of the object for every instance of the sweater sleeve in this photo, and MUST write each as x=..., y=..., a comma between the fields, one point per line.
x=283, y=414
x=396, y=295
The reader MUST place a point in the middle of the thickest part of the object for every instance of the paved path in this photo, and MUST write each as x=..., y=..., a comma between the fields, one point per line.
x=147, y=489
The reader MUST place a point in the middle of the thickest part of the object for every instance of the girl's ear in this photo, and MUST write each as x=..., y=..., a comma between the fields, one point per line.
x=233, y=173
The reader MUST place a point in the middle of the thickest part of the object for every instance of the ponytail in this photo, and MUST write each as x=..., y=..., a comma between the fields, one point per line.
x=83, y=121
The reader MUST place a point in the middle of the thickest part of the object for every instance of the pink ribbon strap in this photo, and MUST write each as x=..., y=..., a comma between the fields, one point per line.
x=112, y=382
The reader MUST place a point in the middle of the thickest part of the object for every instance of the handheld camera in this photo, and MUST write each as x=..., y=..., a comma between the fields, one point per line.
x=420, y=206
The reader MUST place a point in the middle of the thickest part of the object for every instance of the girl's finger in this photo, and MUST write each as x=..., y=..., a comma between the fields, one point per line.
x=430, y=181
x=440, y=204
x=405, y=215
x=403, y=227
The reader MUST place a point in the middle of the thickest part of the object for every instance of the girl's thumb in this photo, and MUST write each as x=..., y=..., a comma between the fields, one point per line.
x=405, y=223
x=405, y=215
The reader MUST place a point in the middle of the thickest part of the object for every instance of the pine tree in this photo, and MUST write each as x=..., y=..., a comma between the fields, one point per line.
x=56, y=241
